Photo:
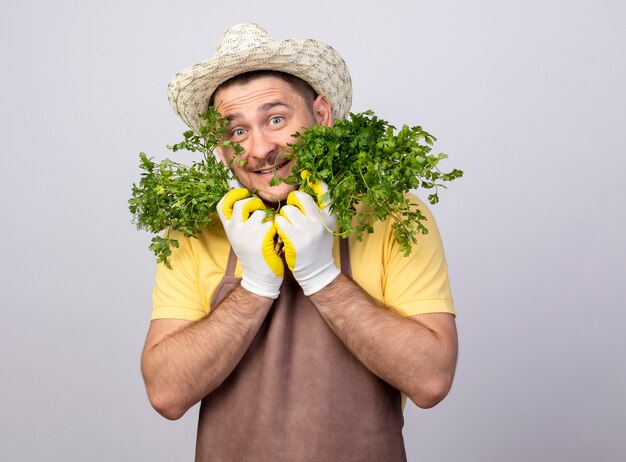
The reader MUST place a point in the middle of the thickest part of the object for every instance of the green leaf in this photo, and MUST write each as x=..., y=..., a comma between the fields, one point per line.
x=362, y=159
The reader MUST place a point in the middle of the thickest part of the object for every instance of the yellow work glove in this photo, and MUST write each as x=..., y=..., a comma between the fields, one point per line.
x=252, y=240
x=307, y=234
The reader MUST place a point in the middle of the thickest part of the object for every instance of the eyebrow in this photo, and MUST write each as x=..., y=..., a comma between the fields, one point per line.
x=262, y=108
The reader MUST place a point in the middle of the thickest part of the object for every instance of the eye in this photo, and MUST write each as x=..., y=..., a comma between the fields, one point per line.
x=276, y=120
x=237, y=132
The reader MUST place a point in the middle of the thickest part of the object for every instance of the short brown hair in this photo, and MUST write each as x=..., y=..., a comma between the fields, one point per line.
x=299, y=86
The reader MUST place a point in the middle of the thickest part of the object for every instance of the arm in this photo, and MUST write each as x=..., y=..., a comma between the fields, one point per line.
x=416, y=355
x=183, y=361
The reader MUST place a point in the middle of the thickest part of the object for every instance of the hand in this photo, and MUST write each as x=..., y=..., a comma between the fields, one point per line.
x=307, y=233
x=252, y=239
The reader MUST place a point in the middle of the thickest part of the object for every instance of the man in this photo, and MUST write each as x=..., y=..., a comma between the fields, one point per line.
x=307, y=358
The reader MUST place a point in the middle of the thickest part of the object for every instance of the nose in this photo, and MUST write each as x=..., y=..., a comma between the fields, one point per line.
x=262, y=148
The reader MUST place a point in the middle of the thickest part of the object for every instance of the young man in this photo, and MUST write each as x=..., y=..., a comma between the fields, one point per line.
x=307, y=358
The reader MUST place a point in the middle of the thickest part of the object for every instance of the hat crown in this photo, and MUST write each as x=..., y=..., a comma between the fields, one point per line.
x=247, y=47
x=241, y=37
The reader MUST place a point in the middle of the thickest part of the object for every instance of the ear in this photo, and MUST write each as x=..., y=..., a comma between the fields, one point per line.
x=322, y=111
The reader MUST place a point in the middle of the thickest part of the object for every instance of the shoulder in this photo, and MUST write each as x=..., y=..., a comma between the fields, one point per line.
x=198, y=265
x=206, y=246
x=411, y=284
x=383, y=235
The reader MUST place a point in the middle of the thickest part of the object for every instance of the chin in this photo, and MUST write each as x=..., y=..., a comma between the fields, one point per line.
x=276, y=195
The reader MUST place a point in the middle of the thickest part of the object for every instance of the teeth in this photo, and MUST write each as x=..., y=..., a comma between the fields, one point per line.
x=271, y=170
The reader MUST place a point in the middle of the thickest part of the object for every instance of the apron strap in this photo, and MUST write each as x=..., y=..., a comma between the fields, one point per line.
x=231, y=264
x=344, y=256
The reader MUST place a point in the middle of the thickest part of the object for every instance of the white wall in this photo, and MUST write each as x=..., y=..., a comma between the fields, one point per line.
x=527, y=97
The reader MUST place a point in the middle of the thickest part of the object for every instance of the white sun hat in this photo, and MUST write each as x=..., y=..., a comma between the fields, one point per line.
x=247, y=47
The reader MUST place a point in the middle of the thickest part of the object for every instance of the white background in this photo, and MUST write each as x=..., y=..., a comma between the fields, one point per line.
x=527, y=97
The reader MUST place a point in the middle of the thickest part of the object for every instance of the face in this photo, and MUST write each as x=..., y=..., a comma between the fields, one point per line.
x=262, y=117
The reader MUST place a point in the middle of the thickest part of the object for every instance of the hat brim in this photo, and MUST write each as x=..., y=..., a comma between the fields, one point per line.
x=316, y=63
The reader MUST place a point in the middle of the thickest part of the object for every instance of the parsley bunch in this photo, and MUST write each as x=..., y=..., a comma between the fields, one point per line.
x=362, y=159
x=174, y=196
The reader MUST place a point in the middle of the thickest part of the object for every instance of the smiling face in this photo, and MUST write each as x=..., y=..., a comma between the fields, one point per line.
x=262, y=115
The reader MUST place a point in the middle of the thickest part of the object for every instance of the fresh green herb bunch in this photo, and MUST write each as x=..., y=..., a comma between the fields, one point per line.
x=363, y=160
x=173, y=196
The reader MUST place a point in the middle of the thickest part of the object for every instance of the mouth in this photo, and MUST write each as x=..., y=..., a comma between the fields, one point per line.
x=275, y=168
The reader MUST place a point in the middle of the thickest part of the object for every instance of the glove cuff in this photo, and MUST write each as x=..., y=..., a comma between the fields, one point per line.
x=315, y=281
x=264, y=290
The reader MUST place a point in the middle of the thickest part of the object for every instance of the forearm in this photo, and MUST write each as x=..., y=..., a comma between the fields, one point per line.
x=186, y=365
x=416, y=360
